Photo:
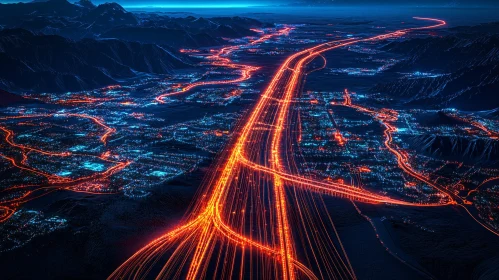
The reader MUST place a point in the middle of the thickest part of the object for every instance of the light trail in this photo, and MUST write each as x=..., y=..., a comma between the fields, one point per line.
x=481, y=184
x=78, y=98
x=489, y=132
x=386, y=116
x=9, y=138
x=403, y=161
x=336, y=189
x=108, y=130
x=220, y=59
x=54, y=181
x=485, y=226
x=241, y=225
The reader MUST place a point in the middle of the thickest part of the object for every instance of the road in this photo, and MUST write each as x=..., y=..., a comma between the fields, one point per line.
x=255, y=216
x=18, y=195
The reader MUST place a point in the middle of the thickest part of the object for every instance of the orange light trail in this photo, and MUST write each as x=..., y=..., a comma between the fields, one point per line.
x=384, y=117
x=241, y=225
x=219, y=59
x=108, y=130
x=54, y=182
x=491, y=133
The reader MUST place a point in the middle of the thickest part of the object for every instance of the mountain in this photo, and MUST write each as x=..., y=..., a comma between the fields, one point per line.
x=470, y=88
x=7, y=98
x=48, y=63
x=469, y=149
x=108, y=14
x=454, y=51
x=477, y=30
x=188, y=32
x=59, y=17
x=87, y=4
x=177, y=38
x=38, y=8
x=466, y=64
x=110, y=20
x=199, y=23
x=55, y=46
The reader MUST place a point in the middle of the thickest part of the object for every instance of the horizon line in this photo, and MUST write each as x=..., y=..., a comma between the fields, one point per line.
x=257, y=5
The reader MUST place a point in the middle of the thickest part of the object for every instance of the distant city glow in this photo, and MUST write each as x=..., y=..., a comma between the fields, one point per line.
x=263, y=131
x=193, y=6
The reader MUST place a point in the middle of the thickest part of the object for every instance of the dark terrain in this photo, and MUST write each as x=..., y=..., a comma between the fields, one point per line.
x=467, y=60
x=56, y=46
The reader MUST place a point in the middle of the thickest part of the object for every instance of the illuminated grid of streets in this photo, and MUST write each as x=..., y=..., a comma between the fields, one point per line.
x=242, y=219
x=256, y=215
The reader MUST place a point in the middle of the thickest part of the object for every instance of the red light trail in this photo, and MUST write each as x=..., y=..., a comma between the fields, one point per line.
x=219, y=58
x=7, y=208
x=385, y=116
x=243, y=224
x=54, y=181
x=492, y=134
x=78, y=98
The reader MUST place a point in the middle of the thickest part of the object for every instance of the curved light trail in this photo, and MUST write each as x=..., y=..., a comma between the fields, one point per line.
x=385, y=117
x=220, y=59
x=56, y=182
x=53, y=181
x=243, y=226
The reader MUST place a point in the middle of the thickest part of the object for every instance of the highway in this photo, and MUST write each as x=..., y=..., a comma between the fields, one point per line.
x=255, y=216
x=92, y=183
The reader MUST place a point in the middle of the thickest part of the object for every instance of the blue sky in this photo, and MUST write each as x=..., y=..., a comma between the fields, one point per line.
x=250, y=3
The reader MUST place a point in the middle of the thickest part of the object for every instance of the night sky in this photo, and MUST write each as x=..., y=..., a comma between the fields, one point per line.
x=243, y=3
x=310, y=2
